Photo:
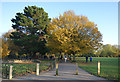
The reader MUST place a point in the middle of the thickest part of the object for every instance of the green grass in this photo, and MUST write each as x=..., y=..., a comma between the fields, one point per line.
x=109, y=66
x=24, y=68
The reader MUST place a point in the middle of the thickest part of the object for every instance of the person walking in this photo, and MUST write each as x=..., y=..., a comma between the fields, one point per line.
x=65, y=58
x=86, y=58
x=90, y=58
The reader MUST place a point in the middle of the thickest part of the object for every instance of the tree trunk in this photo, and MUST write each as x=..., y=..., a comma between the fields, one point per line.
x=73, y=56
x=70, y=56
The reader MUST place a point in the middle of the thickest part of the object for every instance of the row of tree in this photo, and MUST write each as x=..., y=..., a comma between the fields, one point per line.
x=35, y=34
x=108, y=51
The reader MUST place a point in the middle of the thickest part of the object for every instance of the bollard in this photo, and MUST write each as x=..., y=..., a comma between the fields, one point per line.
x=98, y=68
x=37, y=69
x=54, y=63
x=76, y=68
x=51, y=65
x=10, y=72
x=56, y=69
x=6, y=71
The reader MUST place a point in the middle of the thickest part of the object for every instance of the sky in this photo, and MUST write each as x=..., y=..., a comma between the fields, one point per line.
x=104, y=14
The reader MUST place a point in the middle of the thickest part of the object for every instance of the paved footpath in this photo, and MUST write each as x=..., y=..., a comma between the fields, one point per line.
x=66, y=71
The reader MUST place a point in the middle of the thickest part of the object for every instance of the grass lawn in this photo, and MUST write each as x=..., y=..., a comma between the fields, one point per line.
x=109, y=66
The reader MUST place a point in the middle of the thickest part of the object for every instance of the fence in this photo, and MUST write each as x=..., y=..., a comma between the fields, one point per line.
x=5, y=71
x=20, y=69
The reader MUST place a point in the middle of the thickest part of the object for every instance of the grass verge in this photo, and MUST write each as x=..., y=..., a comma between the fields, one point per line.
x=109, y=67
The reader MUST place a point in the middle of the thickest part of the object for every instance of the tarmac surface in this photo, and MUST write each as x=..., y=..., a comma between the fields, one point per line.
x=66, y=71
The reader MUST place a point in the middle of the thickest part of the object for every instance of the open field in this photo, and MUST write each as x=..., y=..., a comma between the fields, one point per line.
x=109, y=66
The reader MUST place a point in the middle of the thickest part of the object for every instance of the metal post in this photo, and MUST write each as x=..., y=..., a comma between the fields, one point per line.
x=6, y=75
x=56, y=69
x=52, y=64
x=10, y=72
x=76, y=68
x=98, y=68
x=37, y=69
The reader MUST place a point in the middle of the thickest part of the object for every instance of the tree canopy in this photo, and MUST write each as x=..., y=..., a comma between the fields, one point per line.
x=30, y=34
x=35, y=34
x=4, y=46
x=73, y=33
x=109, y=50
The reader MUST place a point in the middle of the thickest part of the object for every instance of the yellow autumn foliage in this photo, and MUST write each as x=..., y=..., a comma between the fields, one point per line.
x=73, y=33
x=4, y=49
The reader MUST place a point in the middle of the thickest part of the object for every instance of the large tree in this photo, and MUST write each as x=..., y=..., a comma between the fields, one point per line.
x=14, y=49
x=73, y=34
x=4, y=46
x=30, y=28
x=109, y=51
